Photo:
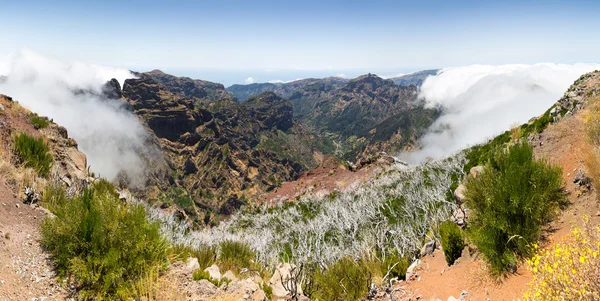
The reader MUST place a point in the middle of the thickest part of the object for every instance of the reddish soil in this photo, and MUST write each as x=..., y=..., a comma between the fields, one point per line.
x=563, y=144
x=330, y=176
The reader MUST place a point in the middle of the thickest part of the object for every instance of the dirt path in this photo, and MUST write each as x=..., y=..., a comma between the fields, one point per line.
x=25, y=270
x=563, y=144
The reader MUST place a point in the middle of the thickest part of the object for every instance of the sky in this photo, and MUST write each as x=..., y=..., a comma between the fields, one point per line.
x=258, y=41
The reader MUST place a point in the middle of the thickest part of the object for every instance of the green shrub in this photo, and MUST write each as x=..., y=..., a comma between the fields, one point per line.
x=39, y=122
x=511, y=200
x=452, y=241
x=344, y=280
x=395, y=265
x=104, y=245
x=206, y=256
x=235, y=256
x=33, y=152
x=267, y=289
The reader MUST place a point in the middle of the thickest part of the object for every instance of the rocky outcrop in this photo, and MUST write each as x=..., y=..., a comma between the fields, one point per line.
x=220, y=153
x=574, y=99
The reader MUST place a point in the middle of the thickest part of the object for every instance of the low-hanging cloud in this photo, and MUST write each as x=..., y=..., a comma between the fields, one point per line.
x=481, y=101
x=110, y=136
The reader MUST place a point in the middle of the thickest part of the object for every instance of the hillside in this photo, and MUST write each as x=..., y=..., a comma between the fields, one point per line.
x=220, y=153
x=362, y=116
x=415, y=79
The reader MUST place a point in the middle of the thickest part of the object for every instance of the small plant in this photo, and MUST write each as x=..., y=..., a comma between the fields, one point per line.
x=267, y=289
x=344, y=280
x=201, y=274
x=452, y=241
x=235, y=256
x=39, y=122
x=7, y=235
x=395, y=266
x=206, y=255
x=33, y=152
x=511, y=200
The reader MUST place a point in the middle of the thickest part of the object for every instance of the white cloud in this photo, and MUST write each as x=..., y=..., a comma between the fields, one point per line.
x=276, y=81
x=392, y=75
x=482, y=101
x=342, y=75
x=110, y=136
x=249, y=80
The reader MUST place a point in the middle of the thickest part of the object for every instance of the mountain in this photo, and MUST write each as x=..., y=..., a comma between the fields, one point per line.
x=219, y=152
x=416, y=78
x=285, y=90
x=360, y=117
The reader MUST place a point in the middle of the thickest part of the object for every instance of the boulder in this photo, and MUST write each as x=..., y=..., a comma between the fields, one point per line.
x=428, y=248
x=582, y=180
x=459, y=193
x=229, y=275
x=214, y=272
x=282, y=272
x=192, y=264
x=475, y=171
x=411, y=271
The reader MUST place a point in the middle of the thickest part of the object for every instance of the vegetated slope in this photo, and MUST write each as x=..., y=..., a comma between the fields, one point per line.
x=361, y=117
x=560, y=136
x=285, y=90
x=27, y=272
x=415, y=79
x=219, y=152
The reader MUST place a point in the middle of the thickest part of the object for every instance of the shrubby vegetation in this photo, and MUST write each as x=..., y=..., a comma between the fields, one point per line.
x=106, y=245
x=570, y=269
x=345, y=280
x=511, y=200
x=376, y=228
x=452, y=241
x=39, y=122
x=33, y=152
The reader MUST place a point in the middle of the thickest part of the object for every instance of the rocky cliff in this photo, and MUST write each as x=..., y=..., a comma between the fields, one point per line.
x=219, y=153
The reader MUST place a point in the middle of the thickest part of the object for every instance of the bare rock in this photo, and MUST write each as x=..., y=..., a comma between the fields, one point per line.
x=428, y=248
x=475, y=171
x=411, y=271
x=229, y=275
x=214, y=272
x=192, y=264
x=459, y=193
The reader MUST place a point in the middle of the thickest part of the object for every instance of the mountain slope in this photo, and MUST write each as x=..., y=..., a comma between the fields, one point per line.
x=415, y=79
x=220, y=153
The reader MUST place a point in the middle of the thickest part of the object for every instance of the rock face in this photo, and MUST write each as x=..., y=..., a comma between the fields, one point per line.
x=220, y=153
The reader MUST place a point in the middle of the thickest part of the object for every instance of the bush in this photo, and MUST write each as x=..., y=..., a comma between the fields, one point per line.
x=395, y=265
x=235, y=256
x=39, y=122
x=206, y=256
x=511, y=200
x=568, y=271
x=106, y=245
x=452, y=241
x=344, y=280
x=33, y=152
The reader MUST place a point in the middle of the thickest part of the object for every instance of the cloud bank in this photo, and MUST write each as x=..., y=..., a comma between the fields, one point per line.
x=481, y=101
x=111, y=137
x=249, y=80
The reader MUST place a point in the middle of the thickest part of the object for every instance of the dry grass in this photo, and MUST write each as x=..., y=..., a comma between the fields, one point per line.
x=155, y=287
x=592, y=153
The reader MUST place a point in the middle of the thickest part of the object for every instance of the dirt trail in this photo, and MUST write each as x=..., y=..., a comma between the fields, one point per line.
x=25, y=270
x=563, y=144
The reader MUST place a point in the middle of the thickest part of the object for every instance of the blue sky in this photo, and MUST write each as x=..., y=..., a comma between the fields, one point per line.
x=229, y=41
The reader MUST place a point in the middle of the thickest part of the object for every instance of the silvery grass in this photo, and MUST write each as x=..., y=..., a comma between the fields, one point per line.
x=322, y=228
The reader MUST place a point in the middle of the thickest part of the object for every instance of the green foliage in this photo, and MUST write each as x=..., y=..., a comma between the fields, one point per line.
x=33, y=152
x=203, y=275
x=39, y=122
x=511, y=200
x=206, y=255
x=452, y=241
x=235, y=256
x=481, y=154
x=267, y=289
x=395, y=265
x=344, y=280
x=106, y=245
